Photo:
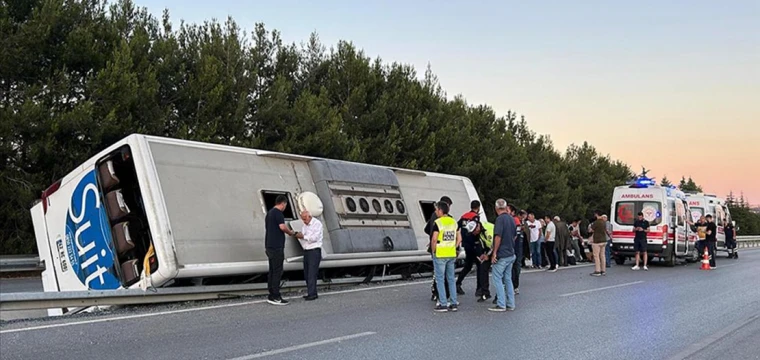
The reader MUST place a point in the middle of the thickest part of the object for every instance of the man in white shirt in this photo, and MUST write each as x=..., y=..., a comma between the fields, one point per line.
x=535, y=246
x=310, y=238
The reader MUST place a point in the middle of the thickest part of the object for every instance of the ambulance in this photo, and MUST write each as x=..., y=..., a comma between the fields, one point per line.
x=701, y=204
x=666, y=208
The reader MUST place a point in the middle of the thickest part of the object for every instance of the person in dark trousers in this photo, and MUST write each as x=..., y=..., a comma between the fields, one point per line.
x=730, y=232
x=518, y=247
x=711, y=240
x=310, y=238
x=483, y=245
x=563, y=241
x=640, y=230
x=549, y=244
x=274, y=243
x=468, y=243
x=429, y=232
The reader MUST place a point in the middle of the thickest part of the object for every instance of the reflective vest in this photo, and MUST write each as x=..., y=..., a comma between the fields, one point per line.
x=447, y=237
x=486, y=234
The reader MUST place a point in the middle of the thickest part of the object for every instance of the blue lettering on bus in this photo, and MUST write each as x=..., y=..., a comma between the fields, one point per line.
x=88, y=237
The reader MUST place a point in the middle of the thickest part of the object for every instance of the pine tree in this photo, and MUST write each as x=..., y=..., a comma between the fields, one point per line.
x=665, y=181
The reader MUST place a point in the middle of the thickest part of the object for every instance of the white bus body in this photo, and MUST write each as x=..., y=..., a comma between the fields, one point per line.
x=202, y=207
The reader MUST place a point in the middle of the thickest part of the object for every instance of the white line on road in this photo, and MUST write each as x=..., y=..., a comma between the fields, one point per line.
x=601, y=288
x=303, y=346
x=212, y=307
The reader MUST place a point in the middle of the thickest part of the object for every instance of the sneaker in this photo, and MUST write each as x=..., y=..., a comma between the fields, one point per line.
x=712, y=267
x=604, y=273
x=636, y=267
x=311, y=298
x=497, y=309
x=440, y=308
x=484, y=298
x=596, y=273
x=279, y=302
x=553, y=270
x=510, y=309
x=646, y=268
x=517, y=291
x=459, y=290
x=453, y=307
x=433, y=298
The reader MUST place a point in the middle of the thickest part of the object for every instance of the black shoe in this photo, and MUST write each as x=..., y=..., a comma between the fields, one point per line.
x=453, y=307
x=459, y=290
x=494, y=300
x=279, y=301
x=434, y=297
x=311, y=298
x=440, y=308
x=596, y=273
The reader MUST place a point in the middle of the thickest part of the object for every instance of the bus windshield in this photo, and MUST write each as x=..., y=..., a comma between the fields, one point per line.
x=626, y=211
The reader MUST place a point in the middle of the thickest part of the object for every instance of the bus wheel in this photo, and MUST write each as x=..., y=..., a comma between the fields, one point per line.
x=619, y=260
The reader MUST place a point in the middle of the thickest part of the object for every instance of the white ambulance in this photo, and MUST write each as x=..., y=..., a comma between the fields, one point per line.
x=701, y=204
x=665, y=208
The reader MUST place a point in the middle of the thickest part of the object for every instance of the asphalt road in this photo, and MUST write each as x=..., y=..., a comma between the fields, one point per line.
x=664, y=313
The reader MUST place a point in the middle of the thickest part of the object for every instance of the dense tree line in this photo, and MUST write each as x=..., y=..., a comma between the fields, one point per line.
x=76, y=76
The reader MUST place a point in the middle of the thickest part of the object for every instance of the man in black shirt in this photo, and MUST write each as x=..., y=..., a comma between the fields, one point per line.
x=711, y=239
x=640, y=230
x=274, y=243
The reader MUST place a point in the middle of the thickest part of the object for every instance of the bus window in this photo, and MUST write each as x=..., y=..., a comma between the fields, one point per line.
x=270, y=197
x=428, y=208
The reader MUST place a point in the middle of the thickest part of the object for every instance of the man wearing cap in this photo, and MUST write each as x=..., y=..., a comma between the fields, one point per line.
x=640, y=230
x=429, y=232
x=467, y=225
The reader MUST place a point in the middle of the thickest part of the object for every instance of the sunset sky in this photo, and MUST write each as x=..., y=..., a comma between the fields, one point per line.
x=670, y=85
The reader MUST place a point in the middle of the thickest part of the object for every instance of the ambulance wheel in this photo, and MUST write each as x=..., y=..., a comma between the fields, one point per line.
x=671, y=261
x=619, y=260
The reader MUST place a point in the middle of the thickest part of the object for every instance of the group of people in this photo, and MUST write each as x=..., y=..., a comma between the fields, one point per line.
x=501, y=249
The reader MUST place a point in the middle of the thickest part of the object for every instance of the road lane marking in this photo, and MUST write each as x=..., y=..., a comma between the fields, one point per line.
x=601, y=288
x=712, y=339
x=210, y=307
x=303, y=346
x=222, y=306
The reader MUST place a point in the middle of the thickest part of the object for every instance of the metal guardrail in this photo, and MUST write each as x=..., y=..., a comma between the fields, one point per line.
x=20, y=263
x=84, y=299
x=747, y=241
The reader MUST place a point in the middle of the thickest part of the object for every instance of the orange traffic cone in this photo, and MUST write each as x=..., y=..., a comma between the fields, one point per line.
x=705, y=261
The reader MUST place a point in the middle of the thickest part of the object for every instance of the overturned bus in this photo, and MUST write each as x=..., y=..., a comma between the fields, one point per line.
x=153, y=211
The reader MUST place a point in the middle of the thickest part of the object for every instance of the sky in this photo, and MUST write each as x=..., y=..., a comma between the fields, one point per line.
x=670, y=85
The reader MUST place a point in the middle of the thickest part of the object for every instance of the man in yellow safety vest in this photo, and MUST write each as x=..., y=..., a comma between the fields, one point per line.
x=445, y=240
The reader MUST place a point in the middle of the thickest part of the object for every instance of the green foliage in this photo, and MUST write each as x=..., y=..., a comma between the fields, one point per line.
x=77, y=75
x=689, y=185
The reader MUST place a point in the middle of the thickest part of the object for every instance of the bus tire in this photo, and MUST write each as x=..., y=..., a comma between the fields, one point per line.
x=620, y=260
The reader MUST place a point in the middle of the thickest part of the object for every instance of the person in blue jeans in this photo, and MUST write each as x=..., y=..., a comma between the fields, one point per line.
x=444, y=241
x=534, y=236
x=503, y=258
